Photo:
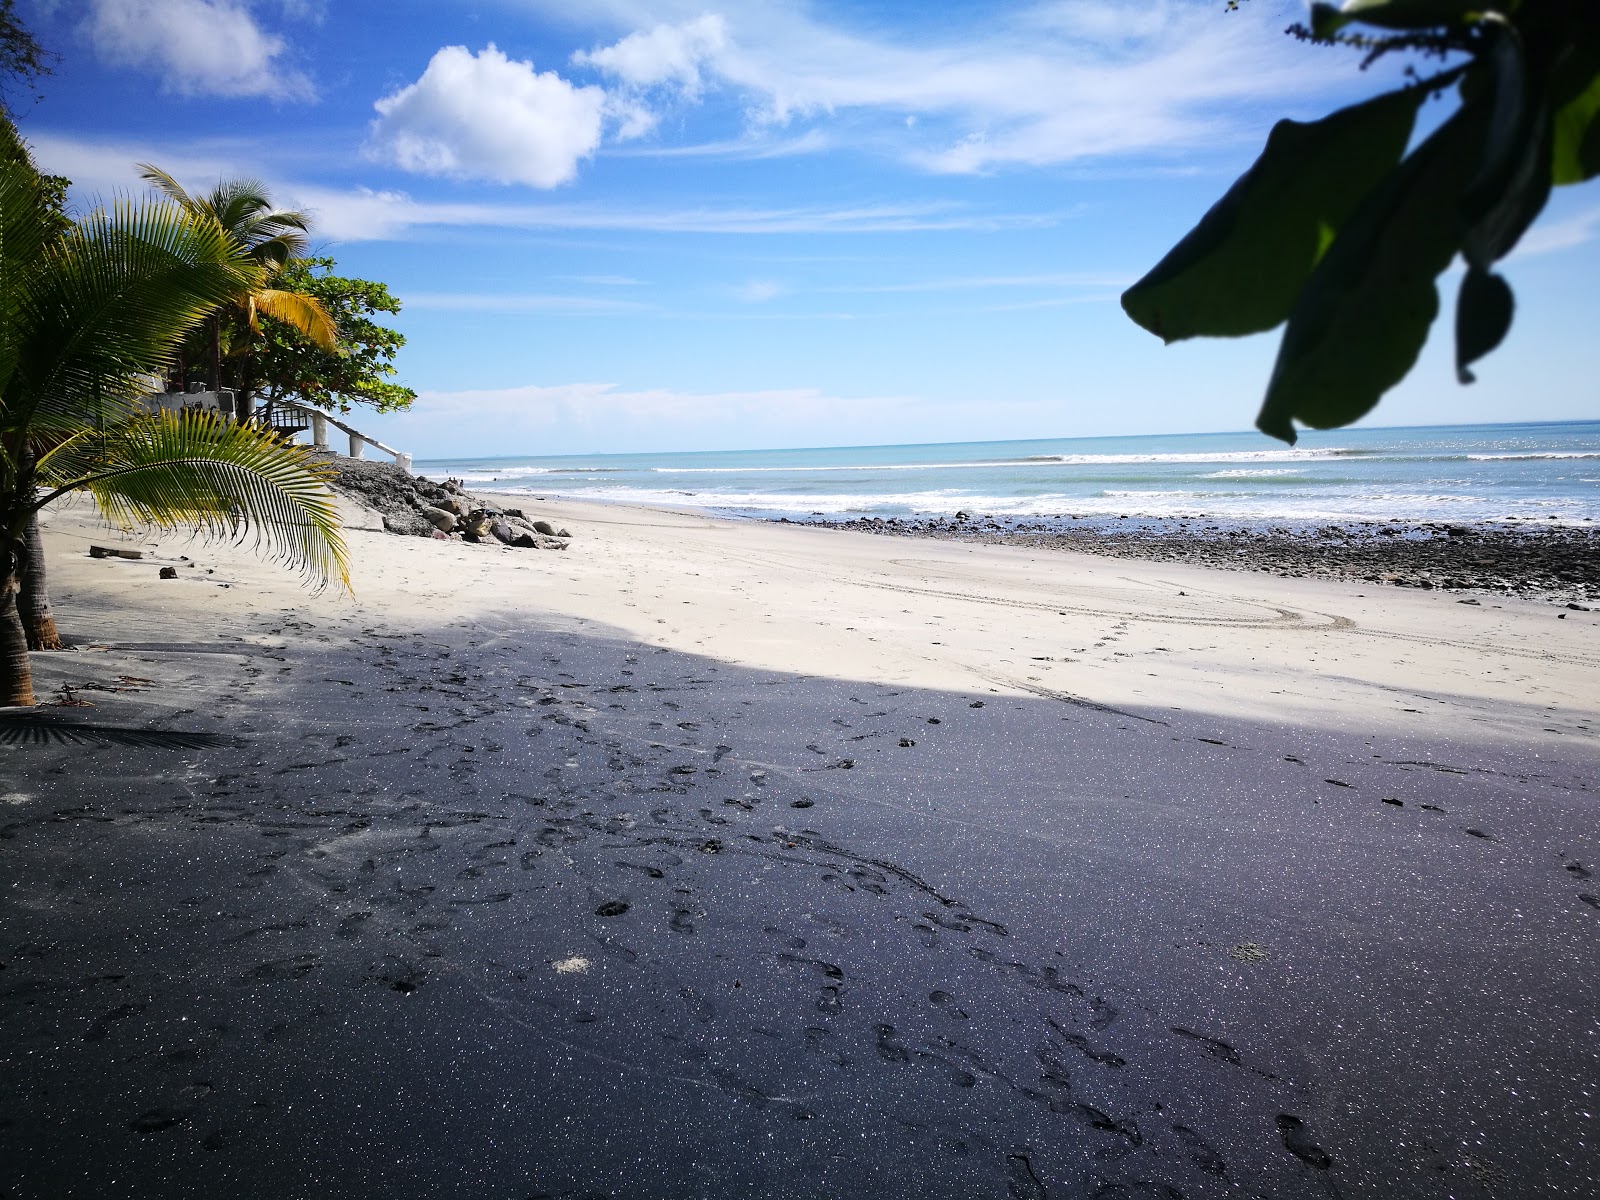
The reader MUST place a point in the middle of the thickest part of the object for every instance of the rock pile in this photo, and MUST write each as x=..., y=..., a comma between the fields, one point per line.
x=1559, y=563
x=417, y=506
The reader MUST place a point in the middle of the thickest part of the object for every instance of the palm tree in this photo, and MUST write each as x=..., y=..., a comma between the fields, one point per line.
x=82, y=319
x=272, y=236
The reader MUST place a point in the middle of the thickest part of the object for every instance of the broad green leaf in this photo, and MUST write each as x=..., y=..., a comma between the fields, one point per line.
x=1329, y=19
x=1484, y=308
x=1239, y=270
x=1575, y=154
x=1513, y=180
x=1364, y=315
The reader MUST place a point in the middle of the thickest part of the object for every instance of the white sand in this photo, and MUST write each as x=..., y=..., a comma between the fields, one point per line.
x=1123, y=633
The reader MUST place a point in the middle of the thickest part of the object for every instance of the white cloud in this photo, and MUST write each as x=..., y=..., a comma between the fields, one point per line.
x=519, y=302
x=1067, y=279
x=486, y=116
x=1566, y=233
x=759, y=291
x=197, y=47
x=1027, y=84
x=666, y=54
x=566, y=416
x=578, y=417
x=364, y=214
x=388, y=216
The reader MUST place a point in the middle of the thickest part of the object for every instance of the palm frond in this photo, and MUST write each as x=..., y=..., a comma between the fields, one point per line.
x=23, y=235
x=235, y=201
x=111, y=300
x=305, y=313
x=223, y=480
x=166, y=185
x=276, y=251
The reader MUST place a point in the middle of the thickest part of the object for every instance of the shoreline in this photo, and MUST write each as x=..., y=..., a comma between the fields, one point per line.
x=1544, y=561
x=1558, y=564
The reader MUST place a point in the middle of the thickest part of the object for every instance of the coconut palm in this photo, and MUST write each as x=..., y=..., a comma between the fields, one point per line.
x=83, y=319
x=272, y=236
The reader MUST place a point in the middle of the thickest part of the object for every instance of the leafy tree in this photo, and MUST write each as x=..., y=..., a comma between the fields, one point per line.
x=281, y=363
x=273, y=237
x=22, y=58
x=1341, y=233
x=83, y=318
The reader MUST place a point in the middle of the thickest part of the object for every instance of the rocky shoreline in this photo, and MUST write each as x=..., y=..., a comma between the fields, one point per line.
x=1560, y=564
x=416, y=506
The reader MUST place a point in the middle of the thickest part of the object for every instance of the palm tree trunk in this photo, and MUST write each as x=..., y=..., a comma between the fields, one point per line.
x=33, y=601
x=216, y=352
x=16, y=674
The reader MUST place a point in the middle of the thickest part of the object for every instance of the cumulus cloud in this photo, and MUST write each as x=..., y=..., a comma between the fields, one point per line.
x=487, y=116
x=198, y=47
x=666, y=54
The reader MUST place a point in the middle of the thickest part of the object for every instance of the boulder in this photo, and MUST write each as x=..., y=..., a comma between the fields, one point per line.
x=441, y=519
x=503, y=533
x=477, y=524
x=545, y=528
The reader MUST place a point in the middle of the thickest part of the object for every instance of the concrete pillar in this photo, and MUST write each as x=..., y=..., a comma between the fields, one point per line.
x=403, y=461
x=358, y=446
x=319, y=431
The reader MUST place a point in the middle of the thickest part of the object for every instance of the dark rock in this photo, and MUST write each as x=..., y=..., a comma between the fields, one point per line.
x=169, y=572
x=545, y=528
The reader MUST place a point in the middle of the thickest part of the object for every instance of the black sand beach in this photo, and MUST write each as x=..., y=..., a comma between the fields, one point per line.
x=356, y=906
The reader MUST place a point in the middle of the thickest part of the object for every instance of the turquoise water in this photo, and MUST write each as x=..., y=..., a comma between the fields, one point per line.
x=1455, y=473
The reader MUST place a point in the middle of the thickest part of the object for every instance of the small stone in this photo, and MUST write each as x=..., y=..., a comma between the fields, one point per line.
x=169, y=572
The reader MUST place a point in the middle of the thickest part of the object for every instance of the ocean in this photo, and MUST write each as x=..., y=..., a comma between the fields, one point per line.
x=1466, y=473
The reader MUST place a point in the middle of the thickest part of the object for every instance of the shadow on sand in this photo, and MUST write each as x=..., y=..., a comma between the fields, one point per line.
x=487, y=911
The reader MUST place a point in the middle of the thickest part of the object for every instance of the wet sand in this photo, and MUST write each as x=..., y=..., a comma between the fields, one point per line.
x=717, y=859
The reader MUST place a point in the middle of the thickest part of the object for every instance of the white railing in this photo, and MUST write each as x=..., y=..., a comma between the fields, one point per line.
x=222, y=403
x=359, y=441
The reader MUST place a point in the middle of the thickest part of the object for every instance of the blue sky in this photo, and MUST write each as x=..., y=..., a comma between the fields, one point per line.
x=631, y=225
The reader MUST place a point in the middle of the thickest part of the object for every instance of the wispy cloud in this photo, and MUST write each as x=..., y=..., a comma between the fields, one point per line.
x=519, y=302
x=362, y=214
x=575, y=417
x=1564, y=234
x=604, y=280
x=1071, y=279
x=812, y=141
x=759, y=291
x=1046, y=82
x=198, y=47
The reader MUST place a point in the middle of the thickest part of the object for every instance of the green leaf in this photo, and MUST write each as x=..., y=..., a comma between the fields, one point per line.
x=1329, y=19
x=1484, y=308
x=1575, y=88
x=1364, y=315
x=1513, y=180
x=192, y=471
x=1239, y=270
